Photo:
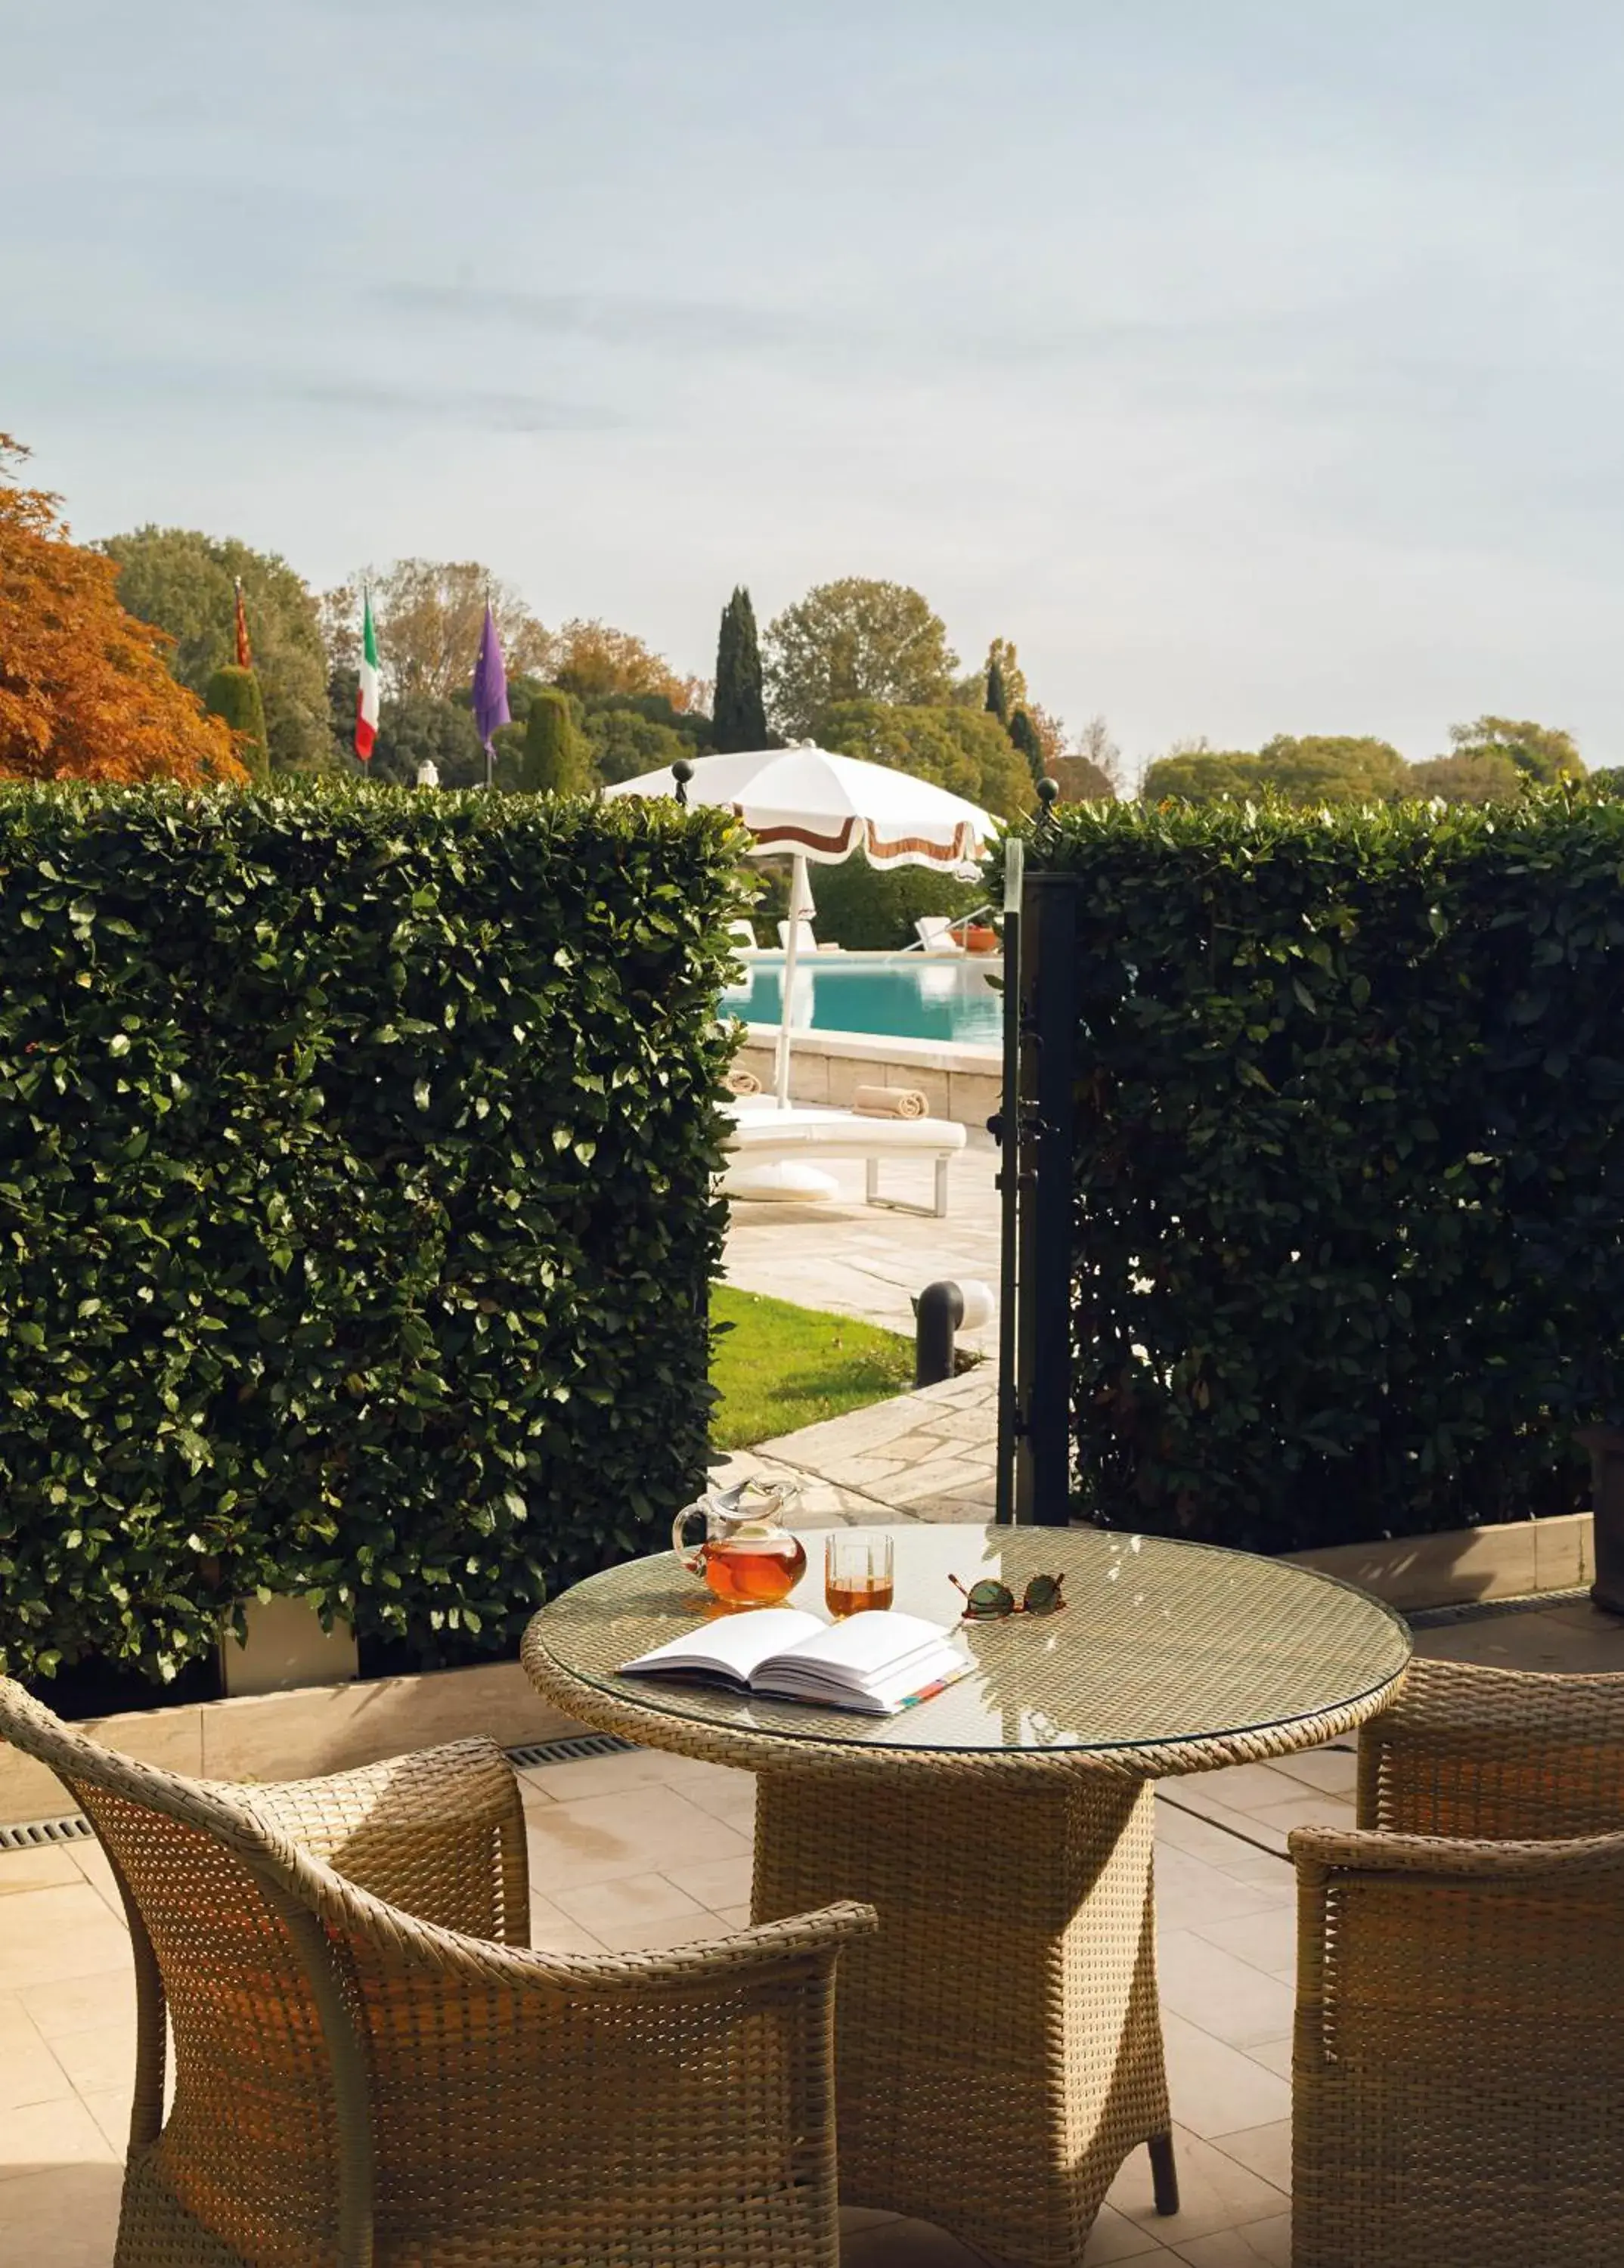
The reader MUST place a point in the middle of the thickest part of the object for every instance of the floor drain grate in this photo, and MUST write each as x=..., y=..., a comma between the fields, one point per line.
x=564, y=1752
x=36, y=1833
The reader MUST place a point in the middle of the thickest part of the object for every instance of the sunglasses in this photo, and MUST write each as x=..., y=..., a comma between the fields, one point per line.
x=988, y=1602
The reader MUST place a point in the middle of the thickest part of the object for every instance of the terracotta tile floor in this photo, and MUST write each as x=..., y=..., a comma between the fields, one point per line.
x=638, y=1850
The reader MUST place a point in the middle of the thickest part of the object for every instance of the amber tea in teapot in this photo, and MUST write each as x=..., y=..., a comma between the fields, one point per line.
x=747, y=1557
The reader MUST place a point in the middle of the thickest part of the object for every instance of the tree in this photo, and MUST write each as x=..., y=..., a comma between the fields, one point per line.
x=1318, y=768
x=1325, y=768
x=85, y=689
x=428, y=614
x=856, y=640
x=962, y=749
x=553, y=760
x=1023, y=734
x=182, y=580
x=625, y=744
x=1202, y=775
x=997, y=694
x=739, y=715
x=1096, y=747
x=1539, y=752
x=1470, y=776
x=418, y=728
x=233, y=695
x=593, y=660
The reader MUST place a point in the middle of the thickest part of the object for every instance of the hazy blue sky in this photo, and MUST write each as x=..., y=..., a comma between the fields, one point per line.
x=1258, y=367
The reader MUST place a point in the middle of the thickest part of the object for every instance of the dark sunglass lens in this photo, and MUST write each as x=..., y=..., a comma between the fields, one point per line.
x=991, y=1599
x=1043, y=1595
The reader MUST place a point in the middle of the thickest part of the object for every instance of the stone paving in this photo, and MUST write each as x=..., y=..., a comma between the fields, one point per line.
x=857, y=1259
x=641, y=1850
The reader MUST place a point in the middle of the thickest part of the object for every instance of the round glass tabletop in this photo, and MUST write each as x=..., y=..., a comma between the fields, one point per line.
x=1160, y=1646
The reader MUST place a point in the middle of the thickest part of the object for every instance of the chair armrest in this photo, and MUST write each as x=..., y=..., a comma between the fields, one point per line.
x=1405, y=1940
x=439, y=1834
x=1371, y=1851
x=1456, y=2056
x=676, y=2106
x=1468, y=1752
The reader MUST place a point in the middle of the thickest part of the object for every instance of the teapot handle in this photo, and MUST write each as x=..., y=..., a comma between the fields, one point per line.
x=692, y=1560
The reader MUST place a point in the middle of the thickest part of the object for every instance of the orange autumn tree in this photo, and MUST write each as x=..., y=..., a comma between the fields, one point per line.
x=83, y=690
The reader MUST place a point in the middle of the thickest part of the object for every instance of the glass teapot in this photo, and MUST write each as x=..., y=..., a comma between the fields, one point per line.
x=747, y=1557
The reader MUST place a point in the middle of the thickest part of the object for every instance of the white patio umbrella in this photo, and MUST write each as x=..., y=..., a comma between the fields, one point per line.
x=822, y=808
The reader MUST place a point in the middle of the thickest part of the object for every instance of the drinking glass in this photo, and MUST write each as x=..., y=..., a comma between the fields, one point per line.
x=857, y=1573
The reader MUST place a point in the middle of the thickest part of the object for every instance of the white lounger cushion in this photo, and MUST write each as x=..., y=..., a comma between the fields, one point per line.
x=772, y=1132
x=763, y=1133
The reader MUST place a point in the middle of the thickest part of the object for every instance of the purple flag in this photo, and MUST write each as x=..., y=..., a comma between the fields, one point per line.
x=490, y=683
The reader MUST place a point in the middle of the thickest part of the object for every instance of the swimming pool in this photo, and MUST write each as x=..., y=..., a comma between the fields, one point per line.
x=903, y=996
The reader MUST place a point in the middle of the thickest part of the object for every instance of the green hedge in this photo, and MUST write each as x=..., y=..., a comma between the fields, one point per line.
x=356, y=1221
x=1349, y=1167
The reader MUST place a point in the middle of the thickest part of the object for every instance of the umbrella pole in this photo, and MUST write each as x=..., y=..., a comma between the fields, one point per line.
x=797, y=899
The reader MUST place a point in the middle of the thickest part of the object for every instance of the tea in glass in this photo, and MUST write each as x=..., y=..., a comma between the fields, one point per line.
x=857, y=1574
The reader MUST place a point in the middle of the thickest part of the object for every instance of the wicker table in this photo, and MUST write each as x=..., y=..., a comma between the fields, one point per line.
x=1000, y=2044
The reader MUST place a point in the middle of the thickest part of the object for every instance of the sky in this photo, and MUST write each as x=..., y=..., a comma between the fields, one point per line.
x=1257, y=367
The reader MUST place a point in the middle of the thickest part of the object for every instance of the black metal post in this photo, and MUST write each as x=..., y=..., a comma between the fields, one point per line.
x=1048, y=1206
x=1006, y=1131
x=937, y=1314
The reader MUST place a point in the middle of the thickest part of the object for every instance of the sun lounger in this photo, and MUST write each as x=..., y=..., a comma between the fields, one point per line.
x=764, y=1135
x=934, y=932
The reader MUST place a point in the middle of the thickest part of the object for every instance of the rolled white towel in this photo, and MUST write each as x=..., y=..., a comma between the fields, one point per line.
x=740, y=1081
x=889, y=1102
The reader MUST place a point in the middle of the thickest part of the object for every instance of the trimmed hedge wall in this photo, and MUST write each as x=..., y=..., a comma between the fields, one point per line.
x=1349, y=1166
x=356, y=1218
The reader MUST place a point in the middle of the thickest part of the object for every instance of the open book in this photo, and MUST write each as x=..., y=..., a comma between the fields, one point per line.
x=878, y=1662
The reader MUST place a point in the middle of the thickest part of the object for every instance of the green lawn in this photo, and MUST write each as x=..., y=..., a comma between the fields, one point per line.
x=781, y=1367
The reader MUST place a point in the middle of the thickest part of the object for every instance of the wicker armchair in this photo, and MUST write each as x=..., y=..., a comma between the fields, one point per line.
x=1459, y=2066
x=371, y=2066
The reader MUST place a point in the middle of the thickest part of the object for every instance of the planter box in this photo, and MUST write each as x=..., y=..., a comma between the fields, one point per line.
x=299, y=1735
x=1511, y=1560
x=286, y=1649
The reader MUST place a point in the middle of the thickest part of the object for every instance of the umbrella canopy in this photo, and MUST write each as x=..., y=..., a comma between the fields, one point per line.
x=812, y=805
x=809, y=803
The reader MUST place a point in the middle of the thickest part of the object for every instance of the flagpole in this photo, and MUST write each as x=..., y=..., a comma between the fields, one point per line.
x=490, y=736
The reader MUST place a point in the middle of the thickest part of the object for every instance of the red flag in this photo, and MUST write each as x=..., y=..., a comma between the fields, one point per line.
x=245, y=651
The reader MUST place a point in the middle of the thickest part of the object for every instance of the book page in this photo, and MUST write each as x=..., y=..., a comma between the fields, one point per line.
x=867, y=1644
x=733, y=1645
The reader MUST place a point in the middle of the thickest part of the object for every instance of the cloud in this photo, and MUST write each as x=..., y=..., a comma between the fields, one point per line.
x=470, y=406
x=609, y=319
x=230, y=389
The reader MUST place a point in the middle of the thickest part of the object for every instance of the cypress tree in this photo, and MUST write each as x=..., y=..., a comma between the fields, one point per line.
x=552, y=760
x=997, y=697
x=234, y=695
x=1024, y=733
x=740, y=711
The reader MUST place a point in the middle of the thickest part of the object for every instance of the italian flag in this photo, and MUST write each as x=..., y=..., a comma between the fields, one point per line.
x=367, y=692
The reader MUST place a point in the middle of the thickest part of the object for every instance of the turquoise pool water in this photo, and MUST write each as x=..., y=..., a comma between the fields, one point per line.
x=908, y=999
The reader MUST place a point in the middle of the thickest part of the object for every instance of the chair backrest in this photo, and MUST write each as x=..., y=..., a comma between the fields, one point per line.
x=934, y=932
x=255, y=1991
x=745, y=933
x=805, y=941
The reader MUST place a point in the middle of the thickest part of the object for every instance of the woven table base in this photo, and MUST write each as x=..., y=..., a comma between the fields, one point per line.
x=998, y=2048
